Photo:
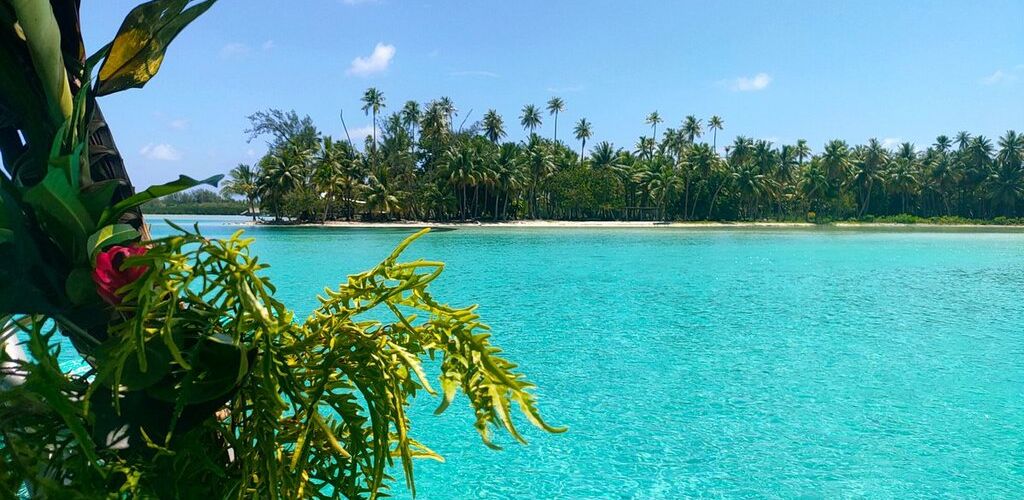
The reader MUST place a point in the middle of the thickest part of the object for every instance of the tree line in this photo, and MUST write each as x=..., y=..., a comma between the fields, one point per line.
x=416, y=164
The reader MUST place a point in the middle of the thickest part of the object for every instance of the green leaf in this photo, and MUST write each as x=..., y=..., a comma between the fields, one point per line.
x=113, y=234
x=57, y=206
x=27, y=284
x=80, y=287
x=113, y=213
x=138, y=49
x=96, y=197
x=43, y=37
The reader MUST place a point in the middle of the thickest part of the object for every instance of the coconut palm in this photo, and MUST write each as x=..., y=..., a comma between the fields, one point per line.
x=868, y=168
x=282, y=170
x=715, y=123
x=583, y=131
x=661, y=180
x=411, y=115
x=530, y=119
x=556, y=105
x=494, y=126
x=373, y=102
x=243, y=181
x=692, y=128
x=903, y=179
x=447, y=107
x=653, y=119
x=539, y=163
x=802, y=150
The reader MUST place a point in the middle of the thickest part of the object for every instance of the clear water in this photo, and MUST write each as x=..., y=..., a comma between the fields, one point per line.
x=781, y=363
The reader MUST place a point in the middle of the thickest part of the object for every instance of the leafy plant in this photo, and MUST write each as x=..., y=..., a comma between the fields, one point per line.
x=197, y=381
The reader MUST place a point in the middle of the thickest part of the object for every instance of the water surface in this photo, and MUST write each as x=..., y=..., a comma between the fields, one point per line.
x=717, y=362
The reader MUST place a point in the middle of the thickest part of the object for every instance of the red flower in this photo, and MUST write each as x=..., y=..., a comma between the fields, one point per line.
x=110, y=274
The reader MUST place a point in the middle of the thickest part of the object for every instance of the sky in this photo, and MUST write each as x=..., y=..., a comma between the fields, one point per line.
x=777, y=70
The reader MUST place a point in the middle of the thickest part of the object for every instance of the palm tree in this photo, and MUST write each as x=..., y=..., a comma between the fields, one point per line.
x=692, y=128
x=373, y=102
x=327, y=177
x=802, y=150
x=661, y=180
x=284, y=170
x=411, y=115
x=494, y=126
x=583, y=132
x=653, y=120
x=556, y=105
x=903, y=179
x=715, y=123
x=868, y=169
x=381, y=198
x=530, y=119
x=540, y=165
x=243, y=181
x=459, y=161
x=447, y=107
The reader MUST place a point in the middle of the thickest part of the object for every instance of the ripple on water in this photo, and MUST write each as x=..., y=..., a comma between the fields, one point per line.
x=722, y=363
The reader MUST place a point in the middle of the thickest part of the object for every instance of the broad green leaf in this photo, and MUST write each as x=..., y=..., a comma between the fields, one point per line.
x=57, y=206
x=96, y=197
x=43, y=37
x=113, y=234
x=27, y=285
x=80, y=287
x=113, y=213
x=138, y=49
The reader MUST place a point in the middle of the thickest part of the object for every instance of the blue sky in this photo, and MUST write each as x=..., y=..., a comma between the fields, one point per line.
x=778, y=70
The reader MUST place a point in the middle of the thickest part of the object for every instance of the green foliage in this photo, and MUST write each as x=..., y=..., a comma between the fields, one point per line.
x=422, y=161
x=313, y=408
x=137, y=51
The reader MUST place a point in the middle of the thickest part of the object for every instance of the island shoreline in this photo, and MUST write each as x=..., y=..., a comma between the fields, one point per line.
x=559, y=224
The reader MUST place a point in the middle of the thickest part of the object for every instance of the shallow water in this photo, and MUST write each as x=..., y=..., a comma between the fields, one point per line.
x=720, y=362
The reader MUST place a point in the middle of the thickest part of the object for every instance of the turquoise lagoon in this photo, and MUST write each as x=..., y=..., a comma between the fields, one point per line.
x=719, y=362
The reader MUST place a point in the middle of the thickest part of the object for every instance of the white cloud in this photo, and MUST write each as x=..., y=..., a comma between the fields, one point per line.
x=178, y=124
x=251, y=153
x=487, y=74
x=759, y=81
x=268, y=45
x=234, y=49
x=376, y=62
x=359, y=134
x=160, y=152
x=891, y=142
x=1000, y=76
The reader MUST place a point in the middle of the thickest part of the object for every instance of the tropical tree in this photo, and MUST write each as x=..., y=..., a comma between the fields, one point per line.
x=373, y=102
x=494, y=126
x=555, y=106
x=583, y=131
x=692, y=128
x=653, y=119
x=530, y=118
x=243, y=181
x=715, y=123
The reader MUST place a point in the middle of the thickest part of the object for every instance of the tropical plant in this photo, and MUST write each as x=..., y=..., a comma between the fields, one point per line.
x=196, y=380
x=530, y=118
x=555, y=106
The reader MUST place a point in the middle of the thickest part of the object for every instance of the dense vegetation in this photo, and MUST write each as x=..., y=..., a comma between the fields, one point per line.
x=196, y=202
x=417, y=165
